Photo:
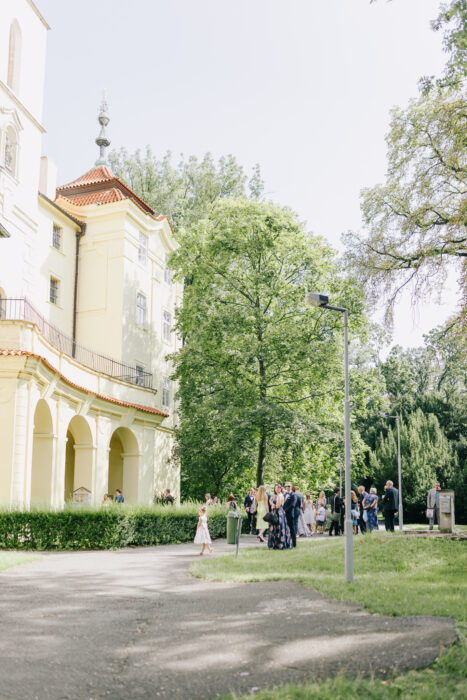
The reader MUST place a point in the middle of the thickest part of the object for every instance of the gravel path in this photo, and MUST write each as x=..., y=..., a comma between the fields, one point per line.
x=132, y=624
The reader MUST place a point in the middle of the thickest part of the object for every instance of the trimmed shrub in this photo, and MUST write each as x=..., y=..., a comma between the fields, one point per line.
x=106, y=528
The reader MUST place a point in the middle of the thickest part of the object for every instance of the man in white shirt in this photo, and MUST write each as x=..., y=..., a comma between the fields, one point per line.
x=432, y=502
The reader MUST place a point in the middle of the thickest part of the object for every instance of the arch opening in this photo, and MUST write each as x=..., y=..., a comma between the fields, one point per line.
x=42, y=456
x=78, y=457
x=124, y=462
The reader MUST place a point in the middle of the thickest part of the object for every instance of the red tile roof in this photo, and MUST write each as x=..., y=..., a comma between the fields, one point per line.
x=91, y=177
x=101, y=186
x=102, y=197
x=139, y=407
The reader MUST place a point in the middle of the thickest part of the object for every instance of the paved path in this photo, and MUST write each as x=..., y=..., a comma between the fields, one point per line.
x=131, y=624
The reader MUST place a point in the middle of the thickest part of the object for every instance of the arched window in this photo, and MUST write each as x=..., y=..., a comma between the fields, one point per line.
x=11, y=151
x=14, y=56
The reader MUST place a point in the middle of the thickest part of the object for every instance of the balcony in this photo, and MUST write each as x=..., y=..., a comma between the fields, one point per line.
x=23, y=310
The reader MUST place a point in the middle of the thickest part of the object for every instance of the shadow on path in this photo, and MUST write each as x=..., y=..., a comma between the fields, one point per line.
x=132, y=624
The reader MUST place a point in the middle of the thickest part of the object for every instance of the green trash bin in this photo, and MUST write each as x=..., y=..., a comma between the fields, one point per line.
x=232, y=526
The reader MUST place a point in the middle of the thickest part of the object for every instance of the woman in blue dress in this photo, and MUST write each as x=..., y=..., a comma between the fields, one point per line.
x=370, y=504
x=279, y=535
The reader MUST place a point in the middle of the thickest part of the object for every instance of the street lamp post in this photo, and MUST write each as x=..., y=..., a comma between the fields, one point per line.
x=399, y=469
x=322, y=301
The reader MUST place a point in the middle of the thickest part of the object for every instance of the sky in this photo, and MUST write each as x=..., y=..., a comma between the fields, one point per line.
x=302, y=87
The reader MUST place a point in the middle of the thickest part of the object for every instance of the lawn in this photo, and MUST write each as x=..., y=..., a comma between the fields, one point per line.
x=433, y=574
x=9, y=559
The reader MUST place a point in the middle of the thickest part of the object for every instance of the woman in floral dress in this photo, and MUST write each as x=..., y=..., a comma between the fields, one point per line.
x=279, y=535
x=370, y=504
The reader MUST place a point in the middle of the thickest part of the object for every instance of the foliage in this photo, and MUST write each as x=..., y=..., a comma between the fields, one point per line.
x=426, y=457
x=427, y=388
x=105, y=528
x=260, y=372
x=416, y=220
x=452, y=19
x=185, y=192
x=434, y=582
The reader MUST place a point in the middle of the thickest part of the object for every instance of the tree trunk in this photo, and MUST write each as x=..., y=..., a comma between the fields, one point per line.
x=261, y=456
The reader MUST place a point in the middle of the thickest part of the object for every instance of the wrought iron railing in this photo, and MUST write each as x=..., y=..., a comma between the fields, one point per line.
x=23, y=310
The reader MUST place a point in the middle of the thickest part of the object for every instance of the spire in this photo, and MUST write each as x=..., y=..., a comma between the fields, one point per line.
x=102, y=141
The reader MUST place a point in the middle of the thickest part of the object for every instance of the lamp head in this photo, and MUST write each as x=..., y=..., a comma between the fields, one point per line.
x=316, y=299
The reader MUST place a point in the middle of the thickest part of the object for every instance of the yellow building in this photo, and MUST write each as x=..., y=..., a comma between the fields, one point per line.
x=86, y=309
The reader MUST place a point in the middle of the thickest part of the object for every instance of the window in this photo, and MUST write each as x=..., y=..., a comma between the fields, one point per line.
x=166, y=392
x=57, y=237
x=11, y=150
x=14, y=56
x=141, y=310
x=142, y=249
x=167, y=271
x=54, y=290
x=139, y=375
x=166, y=329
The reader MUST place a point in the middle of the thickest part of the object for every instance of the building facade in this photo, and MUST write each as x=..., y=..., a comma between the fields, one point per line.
x=87, y=306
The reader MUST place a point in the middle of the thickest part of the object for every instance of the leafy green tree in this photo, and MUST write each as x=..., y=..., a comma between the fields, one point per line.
x=452, y=20
x=261, y=367
x=187, y=191
x=426, y=456
x=416, y=220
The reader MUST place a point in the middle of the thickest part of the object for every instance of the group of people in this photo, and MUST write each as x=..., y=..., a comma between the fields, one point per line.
x=289, y=514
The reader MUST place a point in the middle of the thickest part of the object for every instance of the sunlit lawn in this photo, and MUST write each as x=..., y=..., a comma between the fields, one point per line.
x=393, y=576
x=9, y=559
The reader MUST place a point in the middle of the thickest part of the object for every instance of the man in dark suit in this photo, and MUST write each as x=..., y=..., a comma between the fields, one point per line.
x=251, y=516
x=390, y=505
x=336, y=506
x=289, y=508
x=362, y=494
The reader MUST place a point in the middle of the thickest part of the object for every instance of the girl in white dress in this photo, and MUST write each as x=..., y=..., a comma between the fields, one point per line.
x=202, y=536
x=309, y=513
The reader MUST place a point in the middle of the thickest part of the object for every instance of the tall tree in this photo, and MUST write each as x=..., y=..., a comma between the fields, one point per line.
x=188, y=190
x=416, y=221
x=256, y=358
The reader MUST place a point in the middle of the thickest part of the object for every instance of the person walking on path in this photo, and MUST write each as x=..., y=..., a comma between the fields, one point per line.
x=261, y=506
x=362, y=494
x=279, y=535
x=336, y=506
x=290, y=501
x=202, y=536
x=309, y=513
x=390, y=505
x=248, y=504
x=370, y=504
x=119, y=496
x=432, y=504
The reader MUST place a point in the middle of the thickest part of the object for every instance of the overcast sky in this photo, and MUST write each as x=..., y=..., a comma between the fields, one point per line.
x=303, y=87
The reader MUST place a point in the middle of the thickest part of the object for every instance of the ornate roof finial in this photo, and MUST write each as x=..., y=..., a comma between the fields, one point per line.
x=102, y=141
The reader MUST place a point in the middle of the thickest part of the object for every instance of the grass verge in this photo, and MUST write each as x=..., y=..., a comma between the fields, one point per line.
x=10, y=559
x=393, y=576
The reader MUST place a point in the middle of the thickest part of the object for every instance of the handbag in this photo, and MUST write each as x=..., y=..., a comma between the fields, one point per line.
x=365, y=516
x=271, y=518
x=429, y=512
x=335, y=517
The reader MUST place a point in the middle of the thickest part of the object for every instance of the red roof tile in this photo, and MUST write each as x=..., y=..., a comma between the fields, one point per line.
x=101, y=197
x=91, y=177
x=101, y=186
x=139, y=407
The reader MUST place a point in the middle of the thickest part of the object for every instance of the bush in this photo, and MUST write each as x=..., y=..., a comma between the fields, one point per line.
x=105, y=528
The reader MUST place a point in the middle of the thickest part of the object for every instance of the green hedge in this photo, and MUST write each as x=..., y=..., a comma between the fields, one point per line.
x=105, y=528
